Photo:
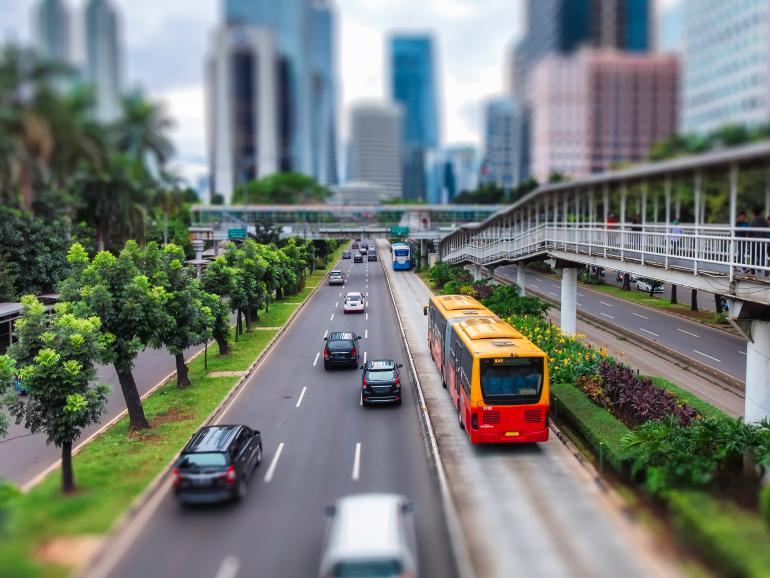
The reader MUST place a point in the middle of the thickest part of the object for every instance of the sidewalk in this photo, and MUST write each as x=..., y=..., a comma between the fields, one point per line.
x=530, y=510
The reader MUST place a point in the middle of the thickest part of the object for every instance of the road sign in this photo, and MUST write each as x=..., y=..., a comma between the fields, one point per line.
x=399, y=231
x=236, y=233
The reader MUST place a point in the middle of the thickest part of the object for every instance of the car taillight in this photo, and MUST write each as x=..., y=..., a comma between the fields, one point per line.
x=230, y=477
x=398, y=382
x=326, y=353
x=363, y=382
x=175, y=479
x=353, y=352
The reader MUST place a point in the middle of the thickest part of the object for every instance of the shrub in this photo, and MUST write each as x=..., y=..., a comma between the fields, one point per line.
x=592, y=386
x=765, y=502
x=8, y=494
x=505, y=301
x=442, y=273
x=636, y=400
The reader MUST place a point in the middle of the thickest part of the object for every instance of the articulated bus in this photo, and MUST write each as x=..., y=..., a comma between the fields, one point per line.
x=401, y=255
x=497, y=378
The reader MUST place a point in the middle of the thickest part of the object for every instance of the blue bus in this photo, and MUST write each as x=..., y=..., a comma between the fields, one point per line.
x=401, y=255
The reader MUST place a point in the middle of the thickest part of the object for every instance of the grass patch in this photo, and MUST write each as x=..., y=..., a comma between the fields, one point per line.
x=734, y=541
x=115, y=468
x=703, y=408
x=594, y=424
x=277, y=315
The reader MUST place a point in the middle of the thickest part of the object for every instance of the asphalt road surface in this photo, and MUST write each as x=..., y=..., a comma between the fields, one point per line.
x=24, y=456
x=716, y=348
x=315, y=418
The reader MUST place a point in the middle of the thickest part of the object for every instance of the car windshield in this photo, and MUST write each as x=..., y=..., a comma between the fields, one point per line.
x=511, y=380
x=203, y=460
x=381, y=375
x=368, y=569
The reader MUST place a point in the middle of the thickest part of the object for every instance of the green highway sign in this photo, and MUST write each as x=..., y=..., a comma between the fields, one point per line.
x=399, y=231
x=236, y=233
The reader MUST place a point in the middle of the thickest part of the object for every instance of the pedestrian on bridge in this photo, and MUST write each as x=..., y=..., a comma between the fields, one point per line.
x=758, y=226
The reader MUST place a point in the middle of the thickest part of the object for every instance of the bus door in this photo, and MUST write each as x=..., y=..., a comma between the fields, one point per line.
x=454, y=370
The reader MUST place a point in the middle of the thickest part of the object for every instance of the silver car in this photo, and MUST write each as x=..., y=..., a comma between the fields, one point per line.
x=370, y=535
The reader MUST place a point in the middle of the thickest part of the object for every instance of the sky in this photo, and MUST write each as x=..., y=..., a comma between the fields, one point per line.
x=165, y=42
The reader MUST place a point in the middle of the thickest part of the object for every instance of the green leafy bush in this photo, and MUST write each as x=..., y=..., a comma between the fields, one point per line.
x=764, y=500
x=506, y=301
x=442, y=273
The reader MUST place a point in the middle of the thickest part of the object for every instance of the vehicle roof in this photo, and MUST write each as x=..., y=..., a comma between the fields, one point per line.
x=341, y=335
x=335, y=272
x=454, y=305
x=215, y=438
x=495, y=337
x=366, y=525
x=353, y=294
x=375, y=364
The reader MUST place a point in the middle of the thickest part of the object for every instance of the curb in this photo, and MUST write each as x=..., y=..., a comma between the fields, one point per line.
x=454, y=528
x=92, y=567
x=711, y=373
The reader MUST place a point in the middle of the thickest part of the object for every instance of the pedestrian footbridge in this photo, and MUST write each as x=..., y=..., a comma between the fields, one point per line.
x=698, y=221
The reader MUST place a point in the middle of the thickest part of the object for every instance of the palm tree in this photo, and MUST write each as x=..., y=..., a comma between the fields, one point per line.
x=142, y=131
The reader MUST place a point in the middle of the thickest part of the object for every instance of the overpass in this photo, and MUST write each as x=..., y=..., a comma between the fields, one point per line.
x=419, y=222
x=675, y=221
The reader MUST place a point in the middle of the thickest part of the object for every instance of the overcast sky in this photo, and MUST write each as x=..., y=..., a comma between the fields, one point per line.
x=165, y=42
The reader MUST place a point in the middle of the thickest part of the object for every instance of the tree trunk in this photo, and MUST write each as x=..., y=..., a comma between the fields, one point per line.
x=165, y=228
x=182, y=375
x=222, y=344
x=67, y=473
x=718, y=303
x=248, y=320
x=136, y=418
x=694, y=300
x=237, y=323
x=673, y=295
x=626, y=282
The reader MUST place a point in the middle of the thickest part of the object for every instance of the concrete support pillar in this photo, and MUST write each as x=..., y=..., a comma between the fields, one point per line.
x=569, y=300
x=757, y=401
x=521, y=278
x=477, y=275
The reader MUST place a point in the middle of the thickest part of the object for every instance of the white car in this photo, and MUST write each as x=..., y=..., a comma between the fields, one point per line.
x=354, y=303
x=370, y=535
x=643, y=285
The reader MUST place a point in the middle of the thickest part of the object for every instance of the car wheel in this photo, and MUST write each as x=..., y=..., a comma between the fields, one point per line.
x=258, y=459
x=460, y=417
x=243, y=490
x=398, y=402
x=326, y=365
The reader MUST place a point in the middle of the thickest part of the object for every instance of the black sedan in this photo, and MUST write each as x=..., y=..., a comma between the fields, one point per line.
x=359, y=258
x=346, y=255
x=341, y=349
x=217, y=464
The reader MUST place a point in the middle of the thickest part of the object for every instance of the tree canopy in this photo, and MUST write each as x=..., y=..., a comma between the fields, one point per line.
x=281, y=189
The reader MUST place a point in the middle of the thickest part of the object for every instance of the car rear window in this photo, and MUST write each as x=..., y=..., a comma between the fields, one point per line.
x=368, y=569
x=203, y=460
x=382, y=375
x=340, y=345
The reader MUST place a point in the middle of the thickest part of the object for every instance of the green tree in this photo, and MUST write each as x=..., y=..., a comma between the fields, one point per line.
x=186, y=306
x=221, y=280
x=55, y=357
x=142, y=131
x=132, y=309
x=250, y=269
x=486, y=194
x=281, y=189
x=7, y=372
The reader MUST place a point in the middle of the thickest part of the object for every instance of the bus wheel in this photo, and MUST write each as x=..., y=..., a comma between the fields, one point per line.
x=460, y=416
x=443, y=381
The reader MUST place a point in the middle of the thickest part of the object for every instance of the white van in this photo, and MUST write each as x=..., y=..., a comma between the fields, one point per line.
x=372, y=536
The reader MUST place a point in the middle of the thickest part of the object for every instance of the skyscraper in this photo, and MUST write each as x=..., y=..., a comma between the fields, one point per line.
x=413, y=85
x=502, y=143
x=375, y=146
x=463, y=163
x=242, y=108
x=726, y=64
x=52, y=28
x=103, y=58
x=306, y=79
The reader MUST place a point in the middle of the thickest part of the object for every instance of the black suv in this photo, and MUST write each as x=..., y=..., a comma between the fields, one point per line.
x=358, y=258
x=217, y=464
x=341, y=349
x=372, y=255
x=381, y=382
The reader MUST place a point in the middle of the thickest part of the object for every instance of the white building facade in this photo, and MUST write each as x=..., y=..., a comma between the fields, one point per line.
x=375, y=146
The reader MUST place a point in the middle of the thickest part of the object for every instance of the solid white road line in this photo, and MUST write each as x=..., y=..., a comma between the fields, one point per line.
x=533, y=285
x=603, y=303
x=741, y=352
x=357, y=462
x=332, y=317
x=638, y=315
x=688, y=333
x=274, y=463
x=229, y=567
x=650, y=332
x=608, y=316
x=340, y=294
x=552, y=293
x=301, y=395
x=366, y=333
x=705, y=355
x=317, y=355
x=580, y=294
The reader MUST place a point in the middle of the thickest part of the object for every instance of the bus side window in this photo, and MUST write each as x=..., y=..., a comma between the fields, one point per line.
x=466, y=362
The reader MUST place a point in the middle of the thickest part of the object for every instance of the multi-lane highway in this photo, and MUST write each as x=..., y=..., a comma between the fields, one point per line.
x=718, y=349
x=320, y=444
x=24, y=457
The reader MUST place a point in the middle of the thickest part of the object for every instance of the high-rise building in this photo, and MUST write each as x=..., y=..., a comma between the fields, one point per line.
x=103, y=57
x=598, y=108
x=242, y=115
x=461, y=171
x=503, y=143
x=303, y=31
x=413, y=85
x=375, y=146
x=726, y=64
x=52, y=26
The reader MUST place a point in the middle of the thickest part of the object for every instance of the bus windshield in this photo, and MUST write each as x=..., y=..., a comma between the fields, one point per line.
x=401, y=252
x=511, y=380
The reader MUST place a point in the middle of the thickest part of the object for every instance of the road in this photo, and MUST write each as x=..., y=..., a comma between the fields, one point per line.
x=315, y=418
x=24, y=456
x=716, y=348
x=532, y=509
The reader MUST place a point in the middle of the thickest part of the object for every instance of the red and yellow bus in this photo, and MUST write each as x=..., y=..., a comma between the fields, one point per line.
x=443, y=312
x=498, y=382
